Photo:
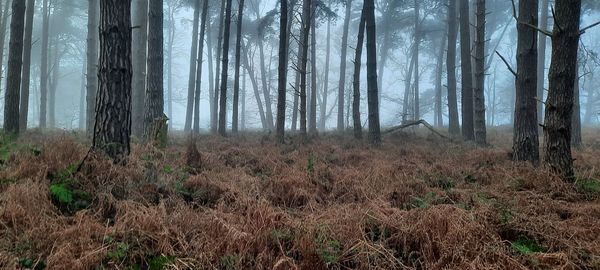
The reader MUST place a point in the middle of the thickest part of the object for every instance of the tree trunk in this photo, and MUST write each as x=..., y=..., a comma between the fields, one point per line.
x=15, y=64
x=541, y=60
x=3, y=32
x=154, y=103
x=312, y=123
x=374, y=126
x=200, y=55
x=193, y=66
x=479, y=90
x=214, y=118
x=342, y=82
x=417, y=114
x=254, y=86
x=211, y=75
x=453, y=123
x=243, y=110
x=82, y=98
x=356, y=82
x=25, y=79
x=467, y=80
x=140, y=42
x=525, y=136
x=559, y=105
x=236, y=84
x=265, y=86
x=113, y=119
x=223, y=92
x=282, y=70
x=295, y=109
x=91, y=71
x=576, y=140
x=439, y=120
x=590, y=102
x=169, y=50
x=323, y=117
x=407, y=88
x=306, y=20
x=54, y=83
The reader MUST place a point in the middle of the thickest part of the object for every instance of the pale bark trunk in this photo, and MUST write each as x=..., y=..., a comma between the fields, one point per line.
x=199, y=69
x=92, y=66
x=140, y=43
x=193, y=67
x=26, y=75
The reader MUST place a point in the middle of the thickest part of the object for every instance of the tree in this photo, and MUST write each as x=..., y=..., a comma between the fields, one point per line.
x=236, y=81
x=525, y=135
x=303, y=59
x=356, y=83
x=372, y=91
x=223, y=99
x=91, y=62
x=199, y=69
x=541, y=60
x=342, y=82
x=193, y=66
x=282, y=70
x=453, y=124
x=26, y=76
x=214, y=119
x=3, y=23
x=417, y=37
x=312, y=117
x=466, y=74
x=154, y=102
x=113, y=119
x=15, y=64
x=562, y=76
x=479, y=90
x=140, y=42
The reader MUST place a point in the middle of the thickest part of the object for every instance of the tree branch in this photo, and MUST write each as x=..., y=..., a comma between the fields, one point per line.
x=507, y=64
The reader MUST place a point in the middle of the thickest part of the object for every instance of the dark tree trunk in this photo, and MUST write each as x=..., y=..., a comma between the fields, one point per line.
x=374, y=126
x=154, y=102
x=467, y=72
x=140, y=42
x=223, y=92
x=306, y=20
x=265, y=86
x=282, y=81
x=576, y=140
x=453, y=124
x=236, y=84
x=342, y=82
x=479, y=90
x=439, y=120
x=417, y=113
x=193, y=66
x=295, y=109
x=525, y=136
x=199, y=69
x=113, y=119
x=563, y=73
x=26, y=76
x=15, y=64
x=312, y=123
x=541, y=60
x=214, y=117
x=356, y=83
x=91, y=71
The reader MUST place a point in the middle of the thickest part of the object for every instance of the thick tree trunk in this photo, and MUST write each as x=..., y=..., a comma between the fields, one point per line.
x=541, y=60
x=342, y=82
x=312, y=123
x=214, y=117
x=193, y=66
x=91, y=71
x=563, y=73
x=224, y=77
x=140, y=43
x=306, y=20
x=479, y=90
x=154, y=122
x=200, y=55
x=113, y=119
x=356, y=83
x=374, y=126
x=26, y=76
x=525, y=136
x=467, y=79
x=453, y=123
x=282, y=70
x=15, y=64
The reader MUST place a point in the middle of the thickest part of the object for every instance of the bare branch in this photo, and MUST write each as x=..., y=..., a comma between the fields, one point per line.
x=507, y=64
x=582, y=31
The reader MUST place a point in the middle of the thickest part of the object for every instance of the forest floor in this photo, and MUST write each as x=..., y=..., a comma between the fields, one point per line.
x=418, y=202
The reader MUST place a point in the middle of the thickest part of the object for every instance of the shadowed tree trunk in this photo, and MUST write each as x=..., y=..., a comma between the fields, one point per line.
x=466, y=74
x=193, y=66
x=91, y=71
x=525, y=135
x=576, y=140
x=15, y=64
x=563, y=73
x=295, y=110
x=223, y=92
x=342, y=82
x=453, y=124
x=306, y=20
x=541, y=60
x=199, y=69
x=26, y=76
x=154, y=122
x=113, y=119
x=479, y=90
x=356, y=83
x=374, y=126
x=140, y=42
x=214, y=118
x=282, y=81
x=236, y=83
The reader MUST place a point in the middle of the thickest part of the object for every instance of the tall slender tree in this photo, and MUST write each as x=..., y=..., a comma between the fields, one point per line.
x=282, y=69
x=154, y=102
x=91, y=62
x=193, y=66
x=26, y=76
x=199, y=69
x=236, y=83
x=417, y=44
x=223, y=92
x=466, y=74
x=541, y=60
x=453, y=123
x=356, y=83
x=479, y=90
x=214, y=116
x=373, y=96
x=312, y=121
x=3, y=23
x=140, y=42
x=15, y=64
x=303, y=59
x=342, y=82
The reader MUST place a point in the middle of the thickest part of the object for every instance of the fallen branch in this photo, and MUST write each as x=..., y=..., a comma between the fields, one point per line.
x=416, y=123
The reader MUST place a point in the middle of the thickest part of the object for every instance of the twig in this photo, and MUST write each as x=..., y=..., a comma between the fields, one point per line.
x=416, y=123
x=507, y=64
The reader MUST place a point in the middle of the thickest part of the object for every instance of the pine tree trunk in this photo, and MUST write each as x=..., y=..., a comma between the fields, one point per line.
x=15, y=64
x=193, y=66
x=154, y=118
x=306, y=20
x=453, y=124
x=224, y=77
x=26, y=75
x=356, y=83
x=282, y=70
x=214, y=117
x=541, y=60
x=295, y=110
x=417, y=114
x=407, y=88
x=439, y=120
x=312, y=123
x=323, y=117
x=236, y=83
x=479, y=90
x=265, y=86
x=211, y=71
x=3, y=23
x=243, y=109
x=467, y=79
x=576, y=140
x=113, y=119
x=140, y=42
x=374, y=126
x=563, y=73
x=254, y=86
x=200, y=55
x=525, y=136
x=169, y=50
x=54, y=84
x=342, y=82
x=91, y=70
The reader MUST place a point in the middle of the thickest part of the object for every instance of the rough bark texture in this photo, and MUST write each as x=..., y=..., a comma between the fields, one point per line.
x=541, y=60
x=154, y=102
x=140, y=43
x=113, y=119
x=562, y=76
x=374, y=126
x=453, y=123
x=199, y=69
x=236, y=83
x=282, y=81
x=525, y=135
x=342, y=82
x=225, y=61
x=479, y=90
x=306, y=20
x=15, y=64
x=92, y=67
x=356, y=79
x=466, y=74
x=26, y=75
x=193, y=66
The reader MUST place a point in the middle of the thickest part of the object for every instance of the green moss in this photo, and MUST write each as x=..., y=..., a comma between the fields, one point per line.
x=160, y=262
x=525, y=246
x=589, y=185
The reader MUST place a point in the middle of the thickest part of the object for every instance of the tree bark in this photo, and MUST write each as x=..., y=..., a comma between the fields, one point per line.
x=169, y=50
x=140, y=42
x=236, y=84
x=576, y=140
x=525, y=136
x=559, y=105
x=91, y=71
x=479, y=90
x=254, y=86
x=265, y=86
x=3, y=32
x=417, y=113
x=306, y=21
x=199, y=69
x=282, y=70
x=223, y=92
x=467, y=79
x=312, y=123
x=193, y=66
x=26, y=76
x=154, y=102
x=374, y=126
x=113, y=119
x=356, y=83
x=15, y=64
x=453, y=123
x=541, y=60
x=214, y=118
x=323, y=117
x=439, y=120
x=342, y=82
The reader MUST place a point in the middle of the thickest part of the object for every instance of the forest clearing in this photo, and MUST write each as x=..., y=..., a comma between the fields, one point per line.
x=418, y=202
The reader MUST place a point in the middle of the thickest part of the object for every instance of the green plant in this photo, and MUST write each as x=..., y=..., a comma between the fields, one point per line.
x=589, y=185
x=230, y=261
x=506, y=215
x=329, y=250
x=120, y=251
x=159, y=262
x=421, y=202
x=62, y=193
x=525, y=246
x=312, y=159
x=168, y=169
x=32, y=263
x=440, y=181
